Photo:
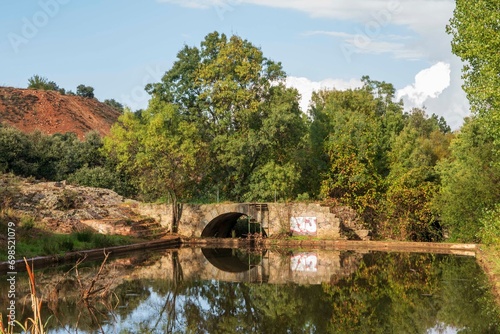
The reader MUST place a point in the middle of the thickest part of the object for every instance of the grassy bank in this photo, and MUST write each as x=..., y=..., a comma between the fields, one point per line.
x=489, y=259
x=32, y=239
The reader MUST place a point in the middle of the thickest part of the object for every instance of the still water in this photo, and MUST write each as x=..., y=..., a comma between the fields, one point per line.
x=194, y=290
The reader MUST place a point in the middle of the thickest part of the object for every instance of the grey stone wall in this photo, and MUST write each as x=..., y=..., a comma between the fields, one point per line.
x=275, y=220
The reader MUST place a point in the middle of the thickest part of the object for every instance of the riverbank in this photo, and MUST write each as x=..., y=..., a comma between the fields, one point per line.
x=91, y=254
x=488, y=258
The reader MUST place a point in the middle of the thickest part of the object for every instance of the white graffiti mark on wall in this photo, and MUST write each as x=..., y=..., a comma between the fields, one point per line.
x=303, y=225
x=307, y=262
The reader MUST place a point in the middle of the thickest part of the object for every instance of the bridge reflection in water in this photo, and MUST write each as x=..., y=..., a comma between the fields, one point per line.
x=255, y=265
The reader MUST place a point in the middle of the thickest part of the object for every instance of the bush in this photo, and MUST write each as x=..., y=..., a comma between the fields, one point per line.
x=85, y=91
x=67, y=245
x=102, y=241
x=39, y=82
x=490, y=226
x=52, y=158
x=101, y=177
x=84, y=236
x=27, y=222
x=68, y=200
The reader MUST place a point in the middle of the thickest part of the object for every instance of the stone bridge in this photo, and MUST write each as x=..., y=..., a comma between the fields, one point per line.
x=219, y=220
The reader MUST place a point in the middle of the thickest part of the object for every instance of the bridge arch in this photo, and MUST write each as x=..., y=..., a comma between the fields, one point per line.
x=223, y=225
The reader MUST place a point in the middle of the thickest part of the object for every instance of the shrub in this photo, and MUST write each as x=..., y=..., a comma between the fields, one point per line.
x=67, y=245
x=100, y=177
x=39, y=82
x=102, y=241
x=27, y=222
x=84, y=236
x=85, y=91
x=68, y=200
x=490, y=226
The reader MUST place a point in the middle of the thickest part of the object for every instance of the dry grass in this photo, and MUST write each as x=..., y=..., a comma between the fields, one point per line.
x=34, y=324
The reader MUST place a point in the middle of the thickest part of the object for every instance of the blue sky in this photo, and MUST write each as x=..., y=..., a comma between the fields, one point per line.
x=119, y=46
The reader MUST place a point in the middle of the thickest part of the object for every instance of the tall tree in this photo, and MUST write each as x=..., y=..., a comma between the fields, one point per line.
x=352, y=132
x=236, y=99
x=470, y=179
x=413, y=180
x=475, y=28
x=161, y=151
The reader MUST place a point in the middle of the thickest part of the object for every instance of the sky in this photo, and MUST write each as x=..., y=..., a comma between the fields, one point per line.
x=118, y=46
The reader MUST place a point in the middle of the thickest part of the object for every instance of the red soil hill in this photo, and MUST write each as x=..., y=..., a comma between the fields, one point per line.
x=51, y=112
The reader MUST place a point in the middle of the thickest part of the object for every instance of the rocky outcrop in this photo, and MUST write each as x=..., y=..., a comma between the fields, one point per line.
x=65, y=208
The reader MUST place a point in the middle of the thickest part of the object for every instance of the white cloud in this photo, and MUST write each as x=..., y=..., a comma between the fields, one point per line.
x=306, y=87
x=361, y=43
x=452, y=102
x=438, y=89
x=429, y=83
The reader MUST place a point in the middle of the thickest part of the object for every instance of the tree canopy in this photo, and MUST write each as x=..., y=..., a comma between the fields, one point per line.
x=470, y=177
x=236, y=99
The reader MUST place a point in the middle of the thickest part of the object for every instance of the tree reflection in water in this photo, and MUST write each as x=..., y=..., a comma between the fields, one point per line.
x=388, y=293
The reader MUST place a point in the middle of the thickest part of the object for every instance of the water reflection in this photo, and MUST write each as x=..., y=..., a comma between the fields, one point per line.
x=233, y=260
x=232, y=291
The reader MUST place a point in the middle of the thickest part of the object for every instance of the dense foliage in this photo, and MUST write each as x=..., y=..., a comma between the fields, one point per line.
x=58, y=157
x=471, y=176
x=221, y=125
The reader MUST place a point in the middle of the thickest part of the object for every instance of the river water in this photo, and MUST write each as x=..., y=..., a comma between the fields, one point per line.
x=194, y=290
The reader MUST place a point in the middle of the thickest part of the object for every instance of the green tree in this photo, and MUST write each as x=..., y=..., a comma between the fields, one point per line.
x=354, y=132
x=39, y=82
x=475, y=28
x=85, y=91
x=114, y=104
x=469, y=182
x=237, y=100
x=413, y=180
x=161, y=151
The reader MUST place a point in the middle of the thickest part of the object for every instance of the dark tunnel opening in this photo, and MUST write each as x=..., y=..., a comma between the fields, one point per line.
x=231, y=224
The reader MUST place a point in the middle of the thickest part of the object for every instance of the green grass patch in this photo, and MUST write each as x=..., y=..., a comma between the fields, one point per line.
x=59, y=244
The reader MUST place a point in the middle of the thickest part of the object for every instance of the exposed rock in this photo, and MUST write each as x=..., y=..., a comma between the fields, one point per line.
x=65, y=208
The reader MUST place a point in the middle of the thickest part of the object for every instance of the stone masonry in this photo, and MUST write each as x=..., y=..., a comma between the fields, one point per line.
x=275, y=218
